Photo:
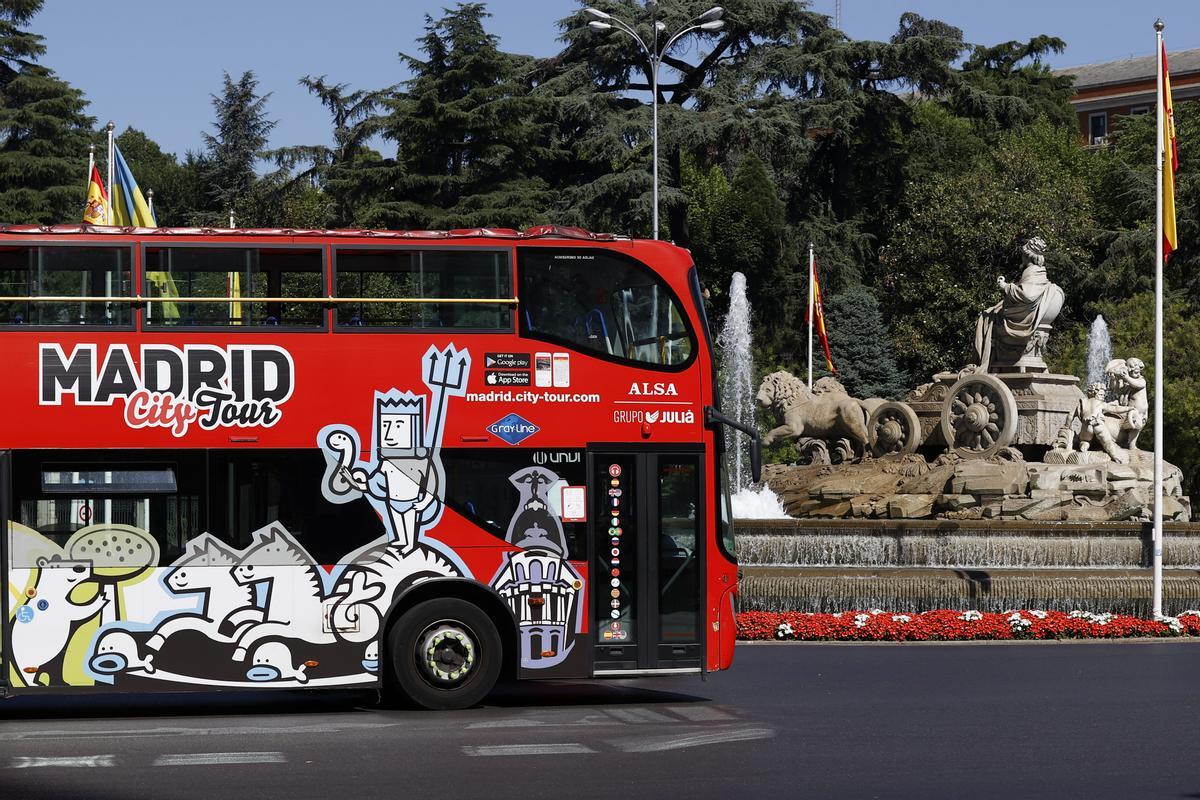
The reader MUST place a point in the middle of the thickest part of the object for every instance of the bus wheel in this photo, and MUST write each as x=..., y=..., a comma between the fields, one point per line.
x=445, y=654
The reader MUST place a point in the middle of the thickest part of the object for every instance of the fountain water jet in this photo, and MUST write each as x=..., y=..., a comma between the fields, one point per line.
x=737, y=400
x=737, y=376
x=1099, y=350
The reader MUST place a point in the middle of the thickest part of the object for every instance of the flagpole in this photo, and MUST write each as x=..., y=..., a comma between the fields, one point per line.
x=1157, y=599
x=108, y=214
x=812, y=271
x=87, y=188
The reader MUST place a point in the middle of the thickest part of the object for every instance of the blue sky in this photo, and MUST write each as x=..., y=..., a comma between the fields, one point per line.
x=166, y=58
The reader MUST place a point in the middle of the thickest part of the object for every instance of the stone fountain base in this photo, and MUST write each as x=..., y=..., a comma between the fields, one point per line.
x=1000, y=488
x=921, y=565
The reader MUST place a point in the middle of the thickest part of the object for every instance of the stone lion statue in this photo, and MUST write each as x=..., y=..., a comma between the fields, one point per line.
x=828, y=413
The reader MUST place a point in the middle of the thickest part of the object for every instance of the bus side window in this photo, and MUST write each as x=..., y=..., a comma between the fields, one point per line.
x=600, y=301
x=407, y=276
x=479, y=485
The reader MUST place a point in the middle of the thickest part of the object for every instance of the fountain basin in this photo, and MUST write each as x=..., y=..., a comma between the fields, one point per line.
x=989, y=565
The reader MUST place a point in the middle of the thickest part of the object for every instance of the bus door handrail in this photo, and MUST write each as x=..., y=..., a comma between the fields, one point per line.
x=714, y=417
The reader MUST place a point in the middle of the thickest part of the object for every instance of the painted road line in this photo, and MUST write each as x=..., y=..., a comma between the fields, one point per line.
x=658, y=744
x=527, y=749
x=32, y=762
x=638, y=716
x=209, y=759
x=701, y=713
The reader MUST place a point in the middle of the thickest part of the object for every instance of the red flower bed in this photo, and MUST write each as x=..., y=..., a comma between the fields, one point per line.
x=947, y=625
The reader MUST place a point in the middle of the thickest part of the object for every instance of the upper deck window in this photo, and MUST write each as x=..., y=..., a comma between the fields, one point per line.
x=228, y=286
x=399, y=288
x=65, y=273
x=602, y=301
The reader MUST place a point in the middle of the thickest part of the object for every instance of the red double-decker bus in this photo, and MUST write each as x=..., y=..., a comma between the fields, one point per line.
x=246, y=459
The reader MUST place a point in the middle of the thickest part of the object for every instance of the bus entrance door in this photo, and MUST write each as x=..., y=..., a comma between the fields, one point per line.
x=6, y=515
x=647, y=520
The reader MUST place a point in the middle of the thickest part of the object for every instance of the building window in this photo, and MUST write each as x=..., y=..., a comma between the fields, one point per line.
x=1137, y=111
x=1097, y=128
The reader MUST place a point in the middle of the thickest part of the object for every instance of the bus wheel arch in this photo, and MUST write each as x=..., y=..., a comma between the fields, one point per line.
x=450, y=600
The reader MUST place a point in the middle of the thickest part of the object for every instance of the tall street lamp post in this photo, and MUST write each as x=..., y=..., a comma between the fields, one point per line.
x=708, y=21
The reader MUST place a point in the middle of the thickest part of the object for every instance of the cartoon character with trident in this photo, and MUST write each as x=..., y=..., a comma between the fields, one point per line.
x=403, y=480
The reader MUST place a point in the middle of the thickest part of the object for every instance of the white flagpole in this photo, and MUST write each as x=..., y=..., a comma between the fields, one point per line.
x=812, y=272
x=1157, y=599
x=109, y=211
x=87, y=187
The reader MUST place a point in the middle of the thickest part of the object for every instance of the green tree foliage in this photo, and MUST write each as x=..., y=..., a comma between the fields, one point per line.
x=1131, y=326
x=861, y=347
x=953, y=235
x=43, y=128
x=232, y=151
x=467, y=137
x=176, y=189
x=350, y=173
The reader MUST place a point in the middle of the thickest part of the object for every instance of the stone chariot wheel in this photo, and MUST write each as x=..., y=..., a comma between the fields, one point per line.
x=893, y=429
x=979, y=416
x=813, y=451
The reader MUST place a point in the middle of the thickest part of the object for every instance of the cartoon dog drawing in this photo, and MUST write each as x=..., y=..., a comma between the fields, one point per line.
x=45, y=622
x=117, y=651
x=272, y=661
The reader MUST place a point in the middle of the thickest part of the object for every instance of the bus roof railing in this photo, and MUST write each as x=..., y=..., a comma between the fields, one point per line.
x=534, y=232
x=327, y=300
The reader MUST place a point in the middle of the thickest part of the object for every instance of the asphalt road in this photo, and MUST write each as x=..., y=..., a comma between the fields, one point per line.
x=1080, y=720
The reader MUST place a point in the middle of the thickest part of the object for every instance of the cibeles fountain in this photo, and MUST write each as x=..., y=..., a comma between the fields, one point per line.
x=1002, y=438
x=995, y=485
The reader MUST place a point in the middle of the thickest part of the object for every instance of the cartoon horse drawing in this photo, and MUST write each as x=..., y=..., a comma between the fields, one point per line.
x=45, y=622
x=294, y=596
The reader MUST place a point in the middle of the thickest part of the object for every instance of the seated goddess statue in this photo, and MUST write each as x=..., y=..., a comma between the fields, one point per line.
x=1019, y=325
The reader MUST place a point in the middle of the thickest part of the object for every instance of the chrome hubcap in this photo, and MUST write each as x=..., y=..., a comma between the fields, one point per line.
x=446, y=652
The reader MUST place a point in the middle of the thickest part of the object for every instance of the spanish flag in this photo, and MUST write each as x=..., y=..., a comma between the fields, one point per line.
x=819, y=319
x=1170, y=160
x=96, y=210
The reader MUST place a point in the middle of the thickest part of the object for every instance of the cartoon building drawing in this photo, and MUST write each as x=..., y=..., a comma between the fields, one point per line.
x=538, y=583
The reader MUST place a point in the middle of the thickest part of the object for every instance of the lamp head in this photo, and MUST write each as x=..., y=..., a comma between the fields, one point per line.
x=715, y=25
x=714, y=13
x=598, y=25
x=597, y=13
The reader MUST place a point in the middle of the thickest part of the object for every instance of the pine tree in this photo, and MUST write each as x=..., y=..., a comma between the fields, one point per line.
x=353, y=176
x=466, y=133
x=43, y=128
x=176, y=192
x=241, y=135
x=861, y=349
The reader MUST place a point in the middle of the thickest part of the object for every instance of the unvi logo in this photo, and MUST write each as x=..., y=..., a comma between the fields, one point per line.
x=513, y=429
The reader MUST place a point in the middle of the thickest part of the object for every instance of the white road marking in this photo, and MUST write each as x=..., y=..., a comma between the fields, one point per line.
x=30, y=762
x=508, y=723
x=638, y=716
x=700, y=713
x=247, y=730
x=527, y=749
x=207, y=759
x=657, y=744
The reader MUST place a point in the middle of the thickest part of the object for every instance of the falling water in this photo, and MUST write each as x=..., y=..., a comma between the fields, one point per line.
x=737, y=368
x=1099, y=350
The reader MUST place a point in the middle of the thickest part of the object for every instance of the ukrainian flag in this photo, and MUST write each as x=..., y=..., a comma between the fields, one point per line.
x=128, y=205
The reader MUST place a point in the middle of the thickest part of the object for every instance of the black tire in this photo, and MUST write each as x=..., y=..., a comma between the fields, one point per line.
x=466, y=660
